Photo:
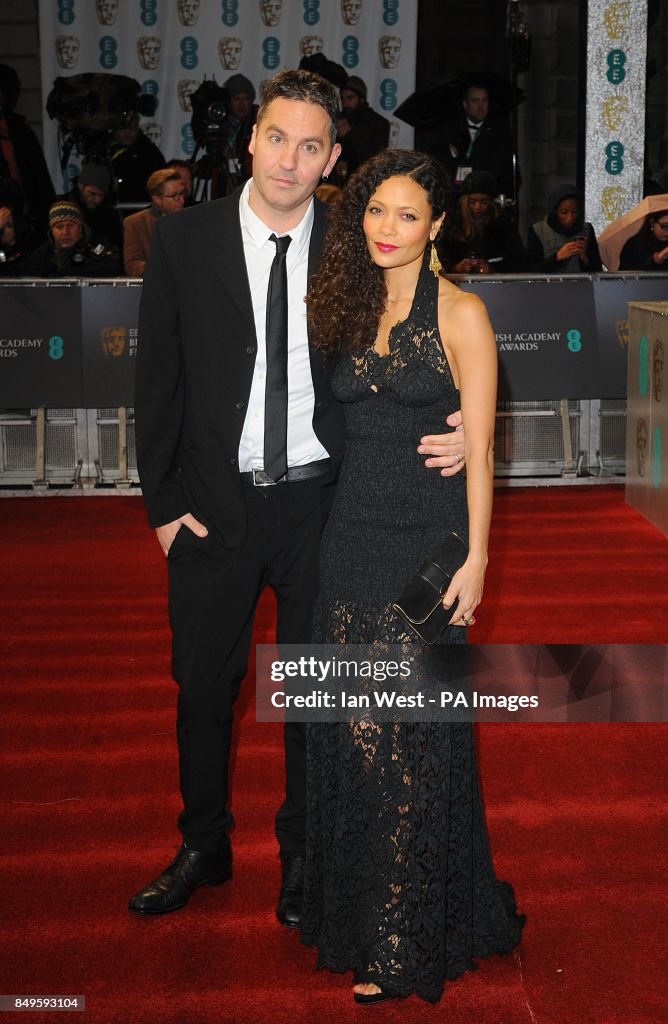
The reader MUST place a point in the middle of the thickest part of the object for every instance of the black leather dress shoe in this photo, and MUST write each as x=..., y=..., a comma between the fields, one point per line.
x=174, y=887
x=289, y=909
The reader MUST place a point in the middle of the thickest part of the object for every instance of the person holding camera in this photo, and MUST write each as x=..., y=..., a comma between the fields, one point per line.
x=70, y=251
x=243, y=112
x=133, y=159
x=563, y=242
x=361, y=132
x=91, y=194
x=21, y=156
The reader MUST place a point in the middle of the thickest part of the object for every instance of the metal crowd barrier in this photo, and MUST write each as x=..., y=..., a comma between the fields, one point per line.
x=95, y=448
x=561, y=413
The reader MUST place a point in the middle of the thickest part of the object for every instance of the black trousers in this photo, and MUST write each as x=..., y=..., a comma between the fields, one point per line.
x=213, y=593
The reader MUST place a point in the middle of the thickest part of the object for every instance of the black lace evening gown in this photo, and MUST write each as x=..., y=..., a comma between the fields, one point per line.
x=399, y=881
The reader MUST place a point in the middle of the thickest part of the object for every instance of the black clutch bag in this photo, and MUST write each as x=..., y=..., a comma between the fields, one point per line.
x=420, y=603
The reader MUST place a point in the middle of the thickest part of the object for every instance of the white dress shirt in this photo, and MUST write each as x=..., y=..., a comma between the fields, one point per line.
x=259, y=252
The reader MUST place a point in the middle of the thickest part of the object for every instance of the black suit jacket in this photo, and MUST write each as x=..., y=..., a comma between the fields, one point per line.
x=195, y=360
x=492, y=151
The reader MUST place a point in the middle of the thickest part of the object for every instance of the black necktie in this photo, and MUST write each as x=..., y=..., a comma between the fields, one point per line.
x=276, y=392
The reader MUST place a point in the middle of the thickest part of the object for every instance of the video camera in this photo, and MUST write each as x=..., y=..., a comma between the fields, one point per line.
x=211, y=111
x=91, y=106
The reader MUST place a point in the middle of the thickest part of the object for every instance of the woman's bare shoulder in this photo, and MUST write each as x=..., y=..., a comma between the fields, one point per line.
x=456, y=304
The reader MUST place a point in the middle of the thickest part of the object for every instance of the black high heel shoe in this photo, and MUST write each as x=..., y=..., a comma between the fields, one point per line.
x=374, y=997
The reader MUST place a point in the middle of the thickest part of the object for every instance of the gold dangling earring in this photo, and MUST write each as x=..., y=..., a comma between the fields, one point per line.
x=435, y=264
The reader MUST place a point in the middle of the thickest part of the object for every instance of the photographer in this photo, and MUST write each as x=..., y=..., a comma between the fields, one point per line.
x=133, y=159
x=69, y=251
x=563, y=242
x=22, y=156
x=243, y=111
x=91, y=195
x=360, y=130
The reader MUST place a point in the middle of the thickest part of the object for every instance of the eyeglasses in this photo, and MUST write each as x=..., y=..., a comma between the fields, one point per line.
x=173, y=195
x=664, y=227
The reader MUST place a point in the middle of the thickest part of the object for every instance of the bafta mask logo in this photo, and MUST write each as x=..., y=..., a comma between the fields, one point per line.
x=185, y=89
x=270, y=12
x=153, y=131
x=389, y=51
x=67, y=51
x=113, y=340
x=614, y=202
x=188, y=11
x=308, y=45
x=148, y=50
x=229, y=51
x=657, y=369
x=107, y=11
x=622, y=330
x=614, y=109
x=616, y=19
x=351, y=11
x=641, y=447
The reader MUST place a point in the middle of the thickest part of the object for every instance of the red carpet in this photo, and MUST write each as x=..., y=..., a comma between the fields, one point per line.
x=89, y=787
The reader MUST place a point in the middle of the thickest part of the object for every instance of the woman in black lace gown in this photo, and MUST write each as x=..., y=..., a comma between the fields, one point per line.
x=399, y=881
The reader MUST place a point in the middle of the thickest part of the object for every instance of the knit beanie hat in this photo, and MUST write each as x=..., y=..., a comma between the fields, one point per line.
x=63, y=209
x=96, y=175
x=356, y=84
x=329, y=69
x=240, y=85
x=479, y=182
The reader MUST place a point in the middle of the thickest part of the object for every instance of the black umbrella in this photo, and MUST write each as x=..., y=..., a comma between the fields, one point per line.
x=442, y=100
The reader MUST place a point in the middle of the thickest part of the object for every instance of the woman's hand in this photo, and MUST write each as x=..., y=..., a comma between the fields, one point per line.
x=569, y=249
x=660, y=257
x=465, y=591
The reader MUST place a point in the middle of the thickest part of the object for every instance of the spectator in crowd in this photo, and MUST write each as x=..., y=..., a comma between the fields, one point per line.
x=360, y=130
x=328, y=193
x=91, y=194
x=69, y=252
x=21, y=156
x=133, y=159
x=14, y=241
x=243, y=111
x=648, y=249
x=184, y=170
x=167, y=196
x=474, y=142
x=480, y=238
x=17, y=235
x=563, y=242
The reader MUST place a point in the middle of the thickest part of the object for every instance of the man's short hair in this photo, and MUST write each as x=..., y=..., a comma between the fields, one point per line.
x=306, y=86
x=159, y=179
x=473, y=84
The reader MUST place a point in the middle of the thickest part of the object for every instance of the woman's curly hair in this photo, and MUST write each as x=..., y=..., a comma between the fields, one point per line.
x=347, y=296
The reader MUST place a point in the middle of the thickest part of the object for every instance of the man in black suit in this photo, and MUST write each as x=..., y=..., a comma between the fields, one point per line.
x=474, y=142
x=228, y=517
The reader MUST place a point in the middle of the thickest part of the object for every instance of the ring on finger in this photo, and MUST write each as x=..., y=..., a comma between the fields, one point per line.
x=458, y=457
x=469, y=620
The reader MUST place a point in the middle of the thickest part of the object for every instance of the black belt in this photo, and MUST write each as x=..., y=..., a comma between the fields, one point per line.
x=312, y=470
